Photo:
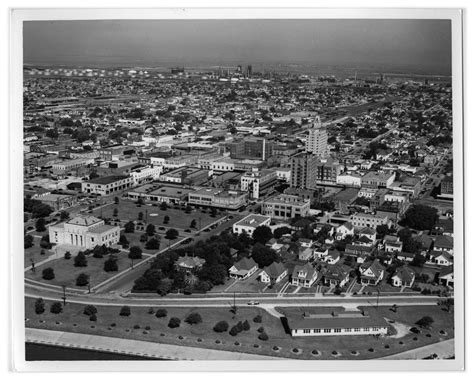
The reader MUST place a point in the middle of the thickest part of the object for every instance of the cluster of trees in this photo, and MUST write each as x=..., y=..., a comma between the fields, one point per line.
x=420, y=217
x=36, y=208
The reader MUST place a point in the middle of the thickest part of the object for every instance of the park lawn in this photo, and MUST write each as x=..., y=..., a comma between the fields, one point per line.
x=34, y=252
x=202, y=335
x=127, y=210
x=66, y=273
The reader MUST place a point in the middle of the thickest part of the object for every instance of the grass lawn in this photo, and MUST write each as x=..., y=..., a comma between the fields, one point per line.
x=66, y=273
x=144, y=326
x=34, y=253
x=127, y=210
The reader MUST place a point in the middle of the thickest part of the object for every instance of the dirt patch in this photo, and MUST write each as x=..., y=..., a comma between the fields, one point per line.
x=402, y=329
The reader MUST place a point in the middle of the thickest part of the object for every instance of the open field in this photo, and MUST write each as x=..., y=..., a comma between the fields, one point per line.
x=202, y=335
x=34, y=252
x=66, y=273
x=127, y=210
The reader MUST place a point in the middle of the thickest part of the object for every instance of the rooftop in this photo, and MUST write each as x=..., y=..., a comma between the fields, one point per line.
x=253, y=220
x=84, y=220
x=107, y=179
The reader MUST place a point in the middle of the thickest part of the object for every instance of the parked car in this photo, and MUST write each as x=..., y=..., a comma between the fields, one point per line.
x=253, y=302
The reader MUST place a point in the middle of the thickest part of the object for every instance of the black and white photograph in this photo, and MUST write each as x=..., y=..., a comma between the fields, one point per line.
x=238, y=185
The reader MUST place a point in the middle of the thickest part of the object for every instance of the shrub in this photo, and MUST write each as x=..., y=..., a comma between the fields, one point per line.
x=89, y=310
x=82, y=279
x=261, y=329
x=151, y=311
x=39, y=306
x=221, y=326
x=48, y=273
x=263, y=336
x=234, y=331
x=56, y=308
x=334, y=352
x=371, y=350
x=135, y=253
x=136, y=326
x=93, y=317
x=110, y=265
x=425, y=322
x=193, y=318
x=174, y=322
x=161, y=313
x=237, y=343
x=125, y=311
x=246, y=325
x=80, y=260
x=240, y=326
x=147, y=327
x=113, y=324
x=67, y=255
x=257, y=319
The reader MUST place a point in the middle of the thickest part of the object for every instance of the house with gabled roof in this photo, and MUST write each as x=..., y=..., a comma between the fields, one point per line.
x=406, y=256
x=304, y=275
x=188, y=263
x=371, y=273
x=363, y=240
x=403, y=277
x=332, y=257
x=442, y=258
x=444, y=243
x=369, y=233
x=344, y=230
x=336, y=275
x=244, y=268
x=446, y=276
x=273, y=274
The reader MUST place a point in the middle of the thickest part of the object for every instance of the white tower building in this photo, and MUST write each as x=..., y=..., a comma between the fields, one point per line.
x=317, y=142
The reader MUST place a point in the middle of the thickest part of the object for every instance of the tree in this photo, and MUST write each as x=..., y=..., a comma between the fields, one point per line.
x=448, y=303
x=116, y=200
x=99, y=251
x=233, y=331
x=115, y=212
x=44, y=242
x=257, y=319
x=279, y=232
x=48, y=273
x=67, y=255
x=39, y=306
x=80, y=260
x=140, y=202
x=56, y=308
x=150, y=229
x=130, y=227
x=153, y=243
x=125, y=311
x=193, y=224
x=193, y=318
x=140, y=215
x=64, y=215
x=135, y=253
x=110, y=265
x=263, y=336
x=171, y=234
x=161, y=313
x=90, y=310
x=40, y=225
x=163, y=206
x=420, y=217
x=221, y=326
x=174, y=322
x=123, y=241
x=263, y=255
x=382, y=230
x=188, y=209
x=166, y=219
x=28, y=241
x=246, y=325
x=262, y=234
x=82, y=279
x=425, y=322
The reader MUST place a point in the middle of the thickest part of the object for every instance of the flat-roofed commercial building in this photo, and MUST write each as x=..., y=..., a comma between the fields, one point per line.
x=107, y=185
x=258, y=183
x=249, y=223
x=158, y=193
x=73, y=165
x=285, y=207
x=378, y=179
x=368, y=220
x=215, y=197
x=336, y=324
x=57, y=201
x=84, y=231
x=447, y=188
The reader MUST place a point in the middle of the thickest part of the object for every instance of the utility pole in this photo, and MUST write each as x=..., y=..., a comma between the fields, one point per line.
x=64, y=295
x=33, y=268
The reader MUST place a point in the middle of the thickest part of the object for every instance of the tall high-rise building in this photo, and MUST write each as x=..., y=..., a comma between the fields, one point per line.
x=304, y=171
x=317, y=142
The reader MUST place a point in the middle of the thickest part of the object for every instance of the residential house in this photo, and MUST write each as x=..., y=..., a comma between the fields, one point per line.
x=243, y=268
x=369, y=233
x=393, y=246
x=357, y=250
x=305, y=254
x=426, y=242
x=444, y=243
x=446, y=276
x=442, y=258
x=332, y=257
x=363, y=241
x=321, y=252
x=273, y=274
x=336, y=275
x=406, y=256
x=344, y=230
x=371, y=273
x=403, y=277
x=304, y=275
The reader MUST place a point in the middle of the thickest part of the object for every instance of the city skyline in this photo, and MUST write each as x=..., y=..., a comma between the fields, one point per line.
x=404, y=45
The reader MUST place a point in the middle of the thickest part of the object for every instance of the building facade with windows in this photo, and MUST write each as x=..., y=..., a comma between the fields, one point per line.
x=285, y=207
x=107, y=185
x=85, y=232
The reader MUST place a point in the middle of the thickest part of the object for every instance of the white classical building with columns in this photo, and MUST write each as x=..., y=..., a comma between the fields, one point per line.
x=85, y=232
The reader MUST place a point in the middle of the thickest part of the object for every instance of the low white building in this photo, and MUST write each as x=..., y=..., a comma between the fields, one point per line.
x=249, y=223
x=145, y=173
x=85, y=232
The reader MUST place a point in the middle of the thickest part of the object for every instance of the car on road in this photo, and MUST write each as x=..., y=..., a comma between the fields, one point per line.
x=253, y=302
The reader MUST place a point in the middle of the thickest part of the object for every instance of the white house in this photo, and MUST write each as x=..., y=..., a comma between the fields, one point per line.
x=249, y=223
x=344, y=230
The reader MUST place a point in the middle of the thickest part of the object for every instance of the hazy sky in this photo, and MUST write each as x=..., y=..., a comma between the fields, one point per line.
x=423, y=43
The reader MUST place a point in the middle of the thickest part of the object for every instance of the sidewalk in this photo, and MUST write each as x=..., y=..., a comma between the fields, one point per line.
x=443, y=349
x=133, y=347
